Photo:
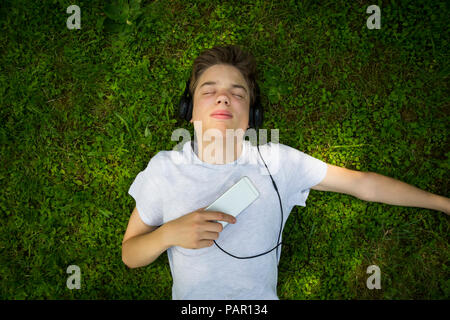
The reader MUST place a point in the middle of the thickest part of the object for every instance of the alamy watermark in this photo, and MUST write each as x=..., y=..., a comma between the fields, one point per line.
x=214, y=149
x=374, y=281
x=74, y=21
x=374, y=21
x=73, y=281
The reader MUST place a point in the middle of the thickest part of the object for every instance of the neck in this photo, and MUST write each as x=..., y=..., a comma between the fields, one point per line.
x=219, y=150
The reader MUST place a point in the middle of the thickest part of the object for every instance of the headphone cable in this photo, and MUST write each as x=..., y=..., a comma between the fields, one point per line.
x=279, y=234
x=281, y=223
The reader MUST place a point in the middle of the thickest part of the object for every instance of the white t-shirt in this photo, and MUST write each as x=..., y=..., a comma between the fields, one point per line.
x=178, y=182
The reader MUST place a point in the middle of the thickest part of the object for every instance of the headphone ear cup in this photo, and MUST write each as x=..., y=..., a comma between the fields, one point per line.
x=258, y=117
x=189, y=110
x=258, y=109
x=185, y=107
x=251, y=118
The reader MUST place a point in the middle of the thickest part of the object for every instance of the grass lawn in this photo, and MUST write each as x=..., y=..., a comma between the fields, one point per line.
x=83, y=111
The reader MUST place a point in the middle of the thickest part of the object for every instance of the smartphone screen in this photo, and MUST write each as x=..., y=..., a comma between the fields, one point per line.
x=235, y=199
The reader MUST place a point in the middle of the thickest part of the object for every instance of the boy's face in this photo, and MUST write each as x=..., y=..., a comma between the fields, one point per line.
x=221, y=88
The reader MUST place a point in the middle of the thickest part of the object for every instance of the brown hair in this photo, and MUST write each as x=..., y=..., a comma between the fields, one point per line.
x=230, y=55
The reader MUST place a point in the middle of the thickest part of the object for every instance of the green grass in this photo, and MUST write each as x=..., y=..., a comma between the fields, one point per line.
x=83, y=111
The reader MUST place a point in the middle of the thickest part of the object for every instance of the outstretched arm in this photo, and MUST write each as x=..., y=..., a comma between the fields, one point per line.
x=374, y=187
x=391, y=191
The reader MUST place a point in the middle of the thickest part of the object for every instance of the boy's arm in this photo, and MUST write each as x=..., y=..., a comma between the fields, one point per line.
x=374, y=187
x=391, y=191
x=142, y=250
x=142, y=244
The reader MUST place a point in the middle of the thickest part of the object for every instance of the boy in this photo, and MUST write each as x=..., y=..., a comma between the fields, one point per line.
x=173, y=196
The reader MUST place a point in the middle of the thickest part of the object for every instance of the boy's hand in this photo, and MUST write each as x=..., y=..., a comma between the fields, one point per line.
x=197, y=229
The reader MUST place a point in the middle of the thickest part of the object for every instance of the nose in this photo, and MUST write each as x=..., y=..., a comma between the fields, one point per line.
x=222, y=98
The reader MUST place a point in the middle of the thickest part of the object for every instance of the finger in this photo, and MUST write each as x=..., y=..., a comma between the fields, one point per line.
x=213, y=226
x=205, y=244
x=208, y=235
x=219, y=216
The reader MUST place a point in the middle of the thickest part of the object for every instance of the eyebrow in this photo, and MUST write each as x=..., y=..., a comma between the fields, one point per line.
x=234, y=85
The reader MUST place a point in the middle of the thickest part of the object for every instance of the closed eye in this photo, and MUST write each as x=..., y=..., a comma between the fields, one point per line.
x=233, y=94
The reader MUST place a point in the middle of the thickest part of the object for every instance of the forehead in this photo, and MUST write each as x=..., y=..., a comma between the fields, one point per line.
x=222, y=75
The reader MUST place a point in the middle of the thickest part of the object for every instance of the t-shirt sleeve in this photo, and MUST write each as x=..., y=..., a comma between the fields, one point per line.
x=147, y=195
x=302, y=172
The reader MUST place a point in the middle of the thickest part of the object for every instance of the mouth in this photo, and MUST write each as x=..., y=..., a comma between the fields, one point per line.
x=221, y=115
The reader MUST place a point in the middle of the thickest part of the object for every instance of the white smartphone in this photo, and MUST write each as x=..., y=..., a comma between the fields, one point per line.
x=235, y=199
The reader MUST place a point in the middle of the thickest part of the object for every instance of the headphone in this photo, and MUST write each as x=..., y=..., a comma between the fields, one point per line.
x=255, y=121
